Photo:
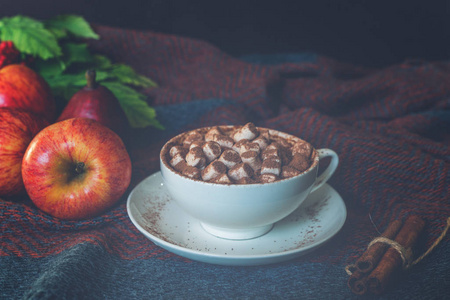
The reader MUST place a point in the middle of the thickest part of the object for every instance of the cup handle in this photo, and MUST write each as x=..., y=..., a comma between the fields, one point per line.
x=329, y=171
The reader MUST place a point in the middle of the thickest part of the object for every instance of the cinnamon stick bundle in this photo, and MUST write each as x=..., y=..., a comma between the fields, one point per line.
x=373, y=270
x=368, y=261
x=392, y=259
x=357, y=282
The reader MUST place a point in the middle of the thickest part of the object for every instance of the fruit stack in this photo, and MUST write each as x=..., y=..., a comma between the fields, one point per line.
x=73, y=166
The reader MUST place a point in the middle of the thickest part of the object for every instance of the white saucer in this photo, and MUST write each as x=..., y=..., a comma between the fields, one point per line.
x=159, y=218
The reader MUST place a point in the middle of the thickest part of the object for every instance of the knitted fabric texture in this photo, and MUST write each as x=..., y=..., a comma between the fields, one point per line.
x=389, y=127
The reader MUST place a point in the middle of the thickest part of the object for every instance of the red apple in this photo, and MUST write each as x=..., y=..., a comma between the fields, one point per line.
x=17, y=129
x=21, y=87
x=75, y=169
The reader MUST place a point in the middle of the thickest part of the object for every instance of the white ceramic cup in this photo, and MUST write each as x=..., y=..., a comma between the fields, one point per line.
x=244, y=211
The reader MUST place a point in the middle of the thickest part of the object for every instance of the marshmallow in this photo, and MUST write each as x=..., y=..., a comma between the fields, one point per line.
x=191, y=172
x=268, y=177
x=284, y=143
x=271, y=165
x=282, y=152
x=240, y=171
x=262, y=142
x=198, y=143
x=223, y=179
x=177, y=150
x=213, y=170
x=178, y=162
x=196, y=157
x=252, y=159
x=269, y=152
x=249, y=147
x=299, y=162
x=273, y=145
x=212, y=150
x=223, y=140
x=237, y=146
x=263, y=132
x=302, y=148
x=230, y=158
x=248, y=132
x=192, y=136
x=209, y=136
x=288, y=171
x=245, y=180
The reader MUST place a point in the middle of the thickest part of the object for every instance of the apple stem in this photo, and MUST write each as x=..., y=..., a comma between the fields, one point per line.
x=79, y=168
x=90, y=78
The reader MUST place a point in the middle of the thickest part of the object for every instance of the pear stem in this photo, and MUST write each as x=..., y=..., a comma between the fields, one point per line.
x=90, y=78
x=79, y=168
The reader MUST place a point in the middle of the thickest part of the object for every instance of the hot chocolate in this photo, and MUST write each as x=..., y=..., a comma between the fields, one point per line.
x=237, y=155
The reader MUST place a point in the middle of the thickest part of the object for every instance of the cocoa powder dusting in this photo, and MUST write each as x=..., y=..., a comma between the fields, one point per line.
x=266, y=149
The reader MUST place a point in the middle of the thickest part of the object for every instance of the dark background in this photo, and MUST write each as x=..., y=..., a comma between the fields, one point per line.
x=370, y=33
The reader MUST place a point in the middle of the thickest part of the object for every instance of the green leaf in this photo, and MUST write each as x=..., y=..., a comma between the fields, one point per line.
x=76, y=53
x=74, y=24
x=102, y=75
x=49, y=68
x=66, y=84
x=139, y=113
x=74, y=79
x=57, y=32
x=101, y=62
x=67, y=80
x=30, y=37
x=126, y=74
x=72, y=53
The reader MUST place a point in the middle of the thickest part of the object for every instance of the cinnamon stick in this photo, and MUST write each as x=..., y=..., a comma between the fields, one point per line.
x=392, y=261
x=370, y=258
x=357, y=282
